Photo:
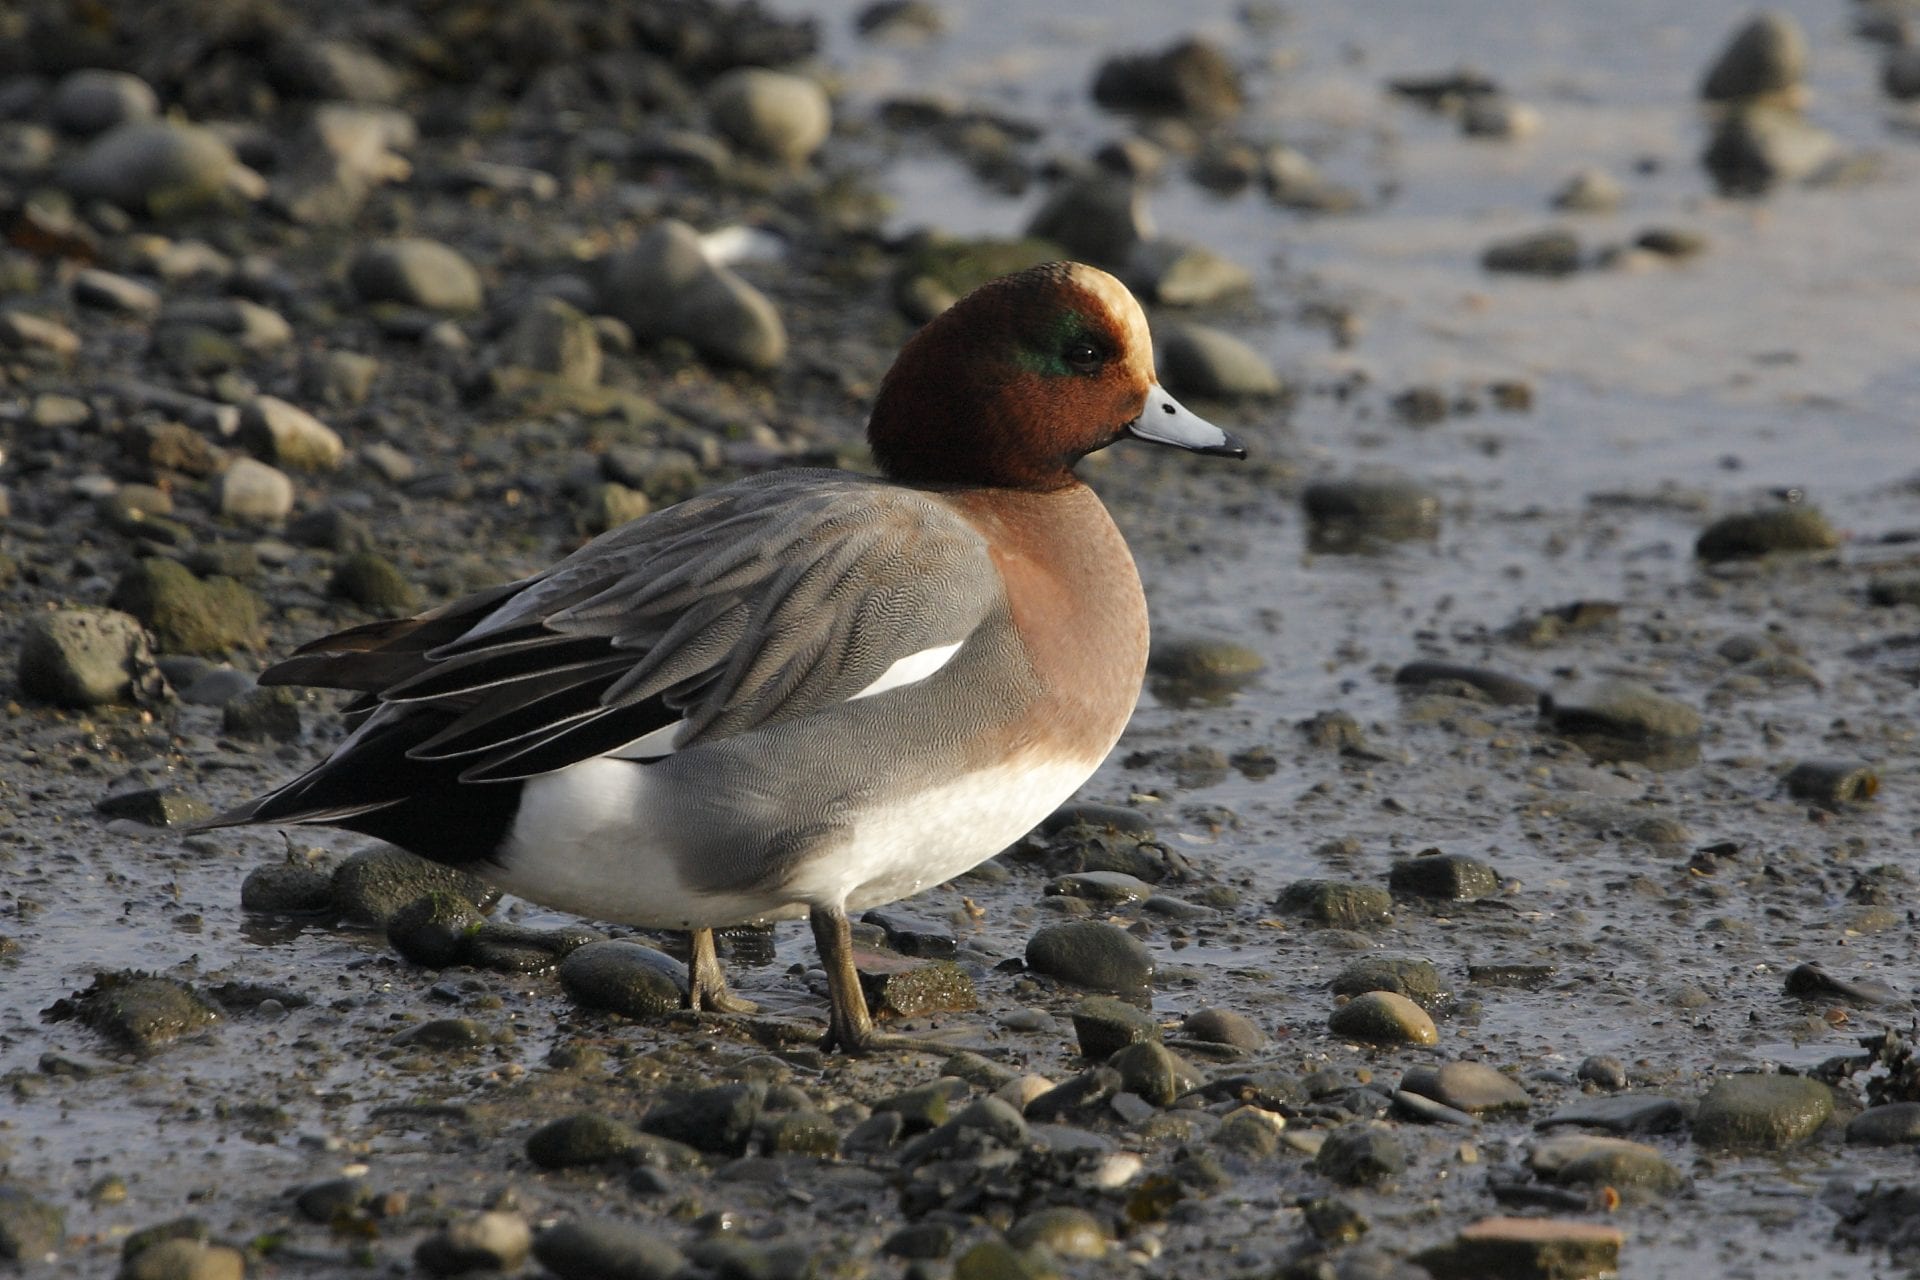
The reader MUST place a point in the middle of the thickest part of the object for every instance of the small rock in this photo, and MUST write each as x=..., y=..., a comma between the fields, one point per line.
x=82, y=657
x=161, y=167
x=1105, y=1025
x=1064, y=1231
x=281, y=888
x=1585, y=1160
x=1360, y=1155
x=1347, y=515
x=1472, y=1087
x=1146, y=1069
x=30, y=1228
x=1768, y=1112
x=554, y=338
x=1494, y=115
x=417, y=273
x=1623, y=1113
x=138, y=1010
x=288, y=436
x=333, y=70
x=1832, y=784
x=1542, y=253
x=1891, y=1124
x=154, y=806
x=606, y=1249
x=719, y=1120
x=1417, y=980
x=253, y=492
x=187, y=615
x=370, y=886
x=1621, y=709
x=94, y=100
x=262, y=714
x=1193, y=77
x=1338, y=904
x=1757, y=533
x=1756, y=148
x=251, y=326
x=625, y=978
x=1526, y=1249
x=339, y=379
x=1765, y=58
x=1098, y=218
x=1495, y=686
x=478, y=1242
x=432, y=930
x=1900, y=73
x=1223, y=1026
x=20, y=331
x=771, y=113
x=1811, y=982
x=1671, y=242
x=912, y=936
x=183, y=1259
x=1092, y=954
x=1454, y=877
x=665, y=287
x=583, y=1139
x=1381, y=1017
x=1176, y=273
x=1590, y=190
x=375, y=583
x=903, y=987
x=105, y=291
x=1207, y=363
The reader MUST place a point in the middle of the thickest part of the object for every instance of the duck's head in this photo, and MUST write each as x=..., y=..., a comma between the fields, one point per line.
x=1019, y=380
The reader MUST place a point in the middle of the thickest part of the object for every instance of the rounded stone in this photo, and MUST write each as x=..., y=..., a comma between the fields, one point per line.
x=252, y=491
x=771, y=113
x=1381, y=1017
x=1207, y=363
x=432, y=930
x=1346, y=513
x=1338, y=903
x=1621, y=709
x=606, y=1249
x=187, y=615
x=625, y=978
x=1453, y=877
x=1091, y=954
x=288, y=436
x=81, y=657
x=1360, y=1155
x=373, y=885
x=585, y=1138
x=1472, y=1087
x=1415, y=979
x=1766, y=1112
x=665, y=287
x=494, y=1241
x=375, y=583
x=1832, y=784
x=30, y=1228
x=262, y=714
x=1591, y=190
x=1223, y=1026
x=1751, y=534
x=555, y=338
x=282, y=888
x=1063, y=1230
x=93, y=100
x=1098, y=218
x=1766, y=57
x=184, y=1259
x=159, y=166
x=1148, y=1070
x=1204, y=660
x=416, y=272
x=1757, y=147
x=1892, y=1124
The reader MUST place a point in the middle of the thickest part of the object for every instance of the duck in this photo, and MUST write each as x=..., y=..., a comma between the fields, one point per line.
x=805, y=693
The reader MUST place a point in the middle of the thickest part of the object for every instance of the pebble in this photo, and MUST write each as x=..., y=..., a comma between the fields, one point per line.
x=282, y=888
x=261, y=715
x=51, y=411
x=254, y=493
x=1497, y=687
x=666, y=287
x=1223, y=1026
x=1454, y=877
x=1338, y=903
x=1110, y=887
x=106, y=291
x=93, y=100
x=557, y=339
x=1346, y=515
x=288, y=436
x=1621, y=709
x=1554, y=252
x=625, y=978
x=774, y=114
x=1193, y=78
x=161, y=167
x=1104, y=1026
x=416, y=272
x=1893, y=591
x=30, y=1228
x=1360, y=1155
x=164, y=806
x=1621, y=1113
x=1751, y=534
x=184, y=1259
x=1092, y=954
x=1811, y=982
x=1382, y=1017
x=375, y=583
x=1064, y=1231
x=719, y=1120
x=1077, y=1096
x=606, y=1249
x=187, y=615
x=908, y=987
x=372, y=885
x=432, y=930
x=585, y=1138
x=86, y=657
x=912, y=935
x=1202, y=362
x=494, y=1241
x=1765, y=58
x=1472, y=1087
x=1900, y=73
x=1527, y=1249
x=252, y=326
x=1590, y=190
x=1149, y=1071
x=1177, y=273
x=925, y=1107
x=140, y=1011
x=1759, y=147
x=339, y=379
x=1494, y=115
x=1765, y=1112
x=1891, y=1124
x=1832, y=784
x=333, y=70
x=22, y=331
x=1099, y=217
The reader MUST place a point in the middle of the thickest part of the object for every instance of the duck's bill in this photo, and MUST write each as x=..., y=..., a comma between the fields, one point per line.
x=1167, y=421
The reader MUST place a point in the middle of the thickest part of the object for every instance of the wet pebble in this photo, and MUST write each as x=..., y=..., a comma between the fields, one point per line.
x=1113, y=888
x=1621, y=709
x=909, y=987
x=375, y=583
x=1098, y=217
x=1381, y=1017
x=283, y=888
x=585, y=1138
x=482, y=1241
x=30, y=1228
x=1092, y=954
x=1900, y=73
x=370, y=886
x=1554, y=252
x=1204, y=662
x=1207, y=363
x=1622, y=1113
x=1891, y=1124
x=184, y=1259
x=1602, y=1069
x=924, y=1107
x=606, y=1249
x=666, y=287
x=1347, y=514
x=140, y=1011
x=1589, y=1161
x=1223, y=1026
x=288, y=436
x=1472, y=1087
x=625, y=978
x=557, y=339
x=93, y=100
x=1104, y=1025
x=913, y=935
x=1064, y=1231
x=106, y=291
x=1590, y=190
x=162, y=167
x=262, y=715
x=1811, y=982
x=416, y=272
x=432, y=930
x=1527, y=1249
x=187, y=615
x=1178, y=273
x=83, y=657
x=1338, y=903
x=1891, y=592
x=1766, y=1112
x=1832, y=784
x=1750, y=534
x=1495, y=686
x=719, y=1120
x=1454, y=877
x=1766, y=58
x=1192, y=77
x=254, y=492
x=23, y=331
x=1149, y=1071
x=164, y=806
x=1077, y=1096
x=1758, y=147
x=1360, y=1155
x=775, y=114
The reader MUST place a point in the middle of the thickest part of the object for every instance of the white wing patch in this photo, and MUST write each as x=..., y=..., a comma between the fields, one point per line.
x=911, y=669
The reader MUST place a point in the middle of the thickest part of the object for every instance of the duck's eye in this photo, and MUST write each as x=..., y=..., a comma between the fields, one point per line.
x=1083, y=357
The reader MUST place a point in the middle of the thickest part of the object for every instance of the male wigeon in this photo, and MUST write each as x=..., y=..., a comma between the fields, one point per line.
x=807, y=692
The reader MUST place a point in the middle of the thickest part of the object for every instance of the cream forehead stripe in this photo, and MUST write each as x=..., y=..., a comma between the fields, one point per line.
x=1123, y=307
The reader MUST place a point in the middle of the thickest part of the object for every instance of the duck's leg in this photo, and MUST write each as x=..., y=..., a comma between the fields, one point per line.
x=849, y=1025
x=707, y=981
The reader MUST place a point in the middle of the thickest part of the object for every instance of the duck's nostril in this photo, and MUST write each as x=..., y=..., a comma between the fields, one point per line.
x=1166, y=408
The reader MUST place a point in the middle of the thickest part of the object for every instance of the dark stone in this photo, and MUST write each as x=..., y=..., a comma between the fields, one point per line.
x=625, y=978
x=1105, y=1025
x=1360, y=1156
x=1452, y=876
x=718, y=1120
x=432, y=930
x=1092, y=954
